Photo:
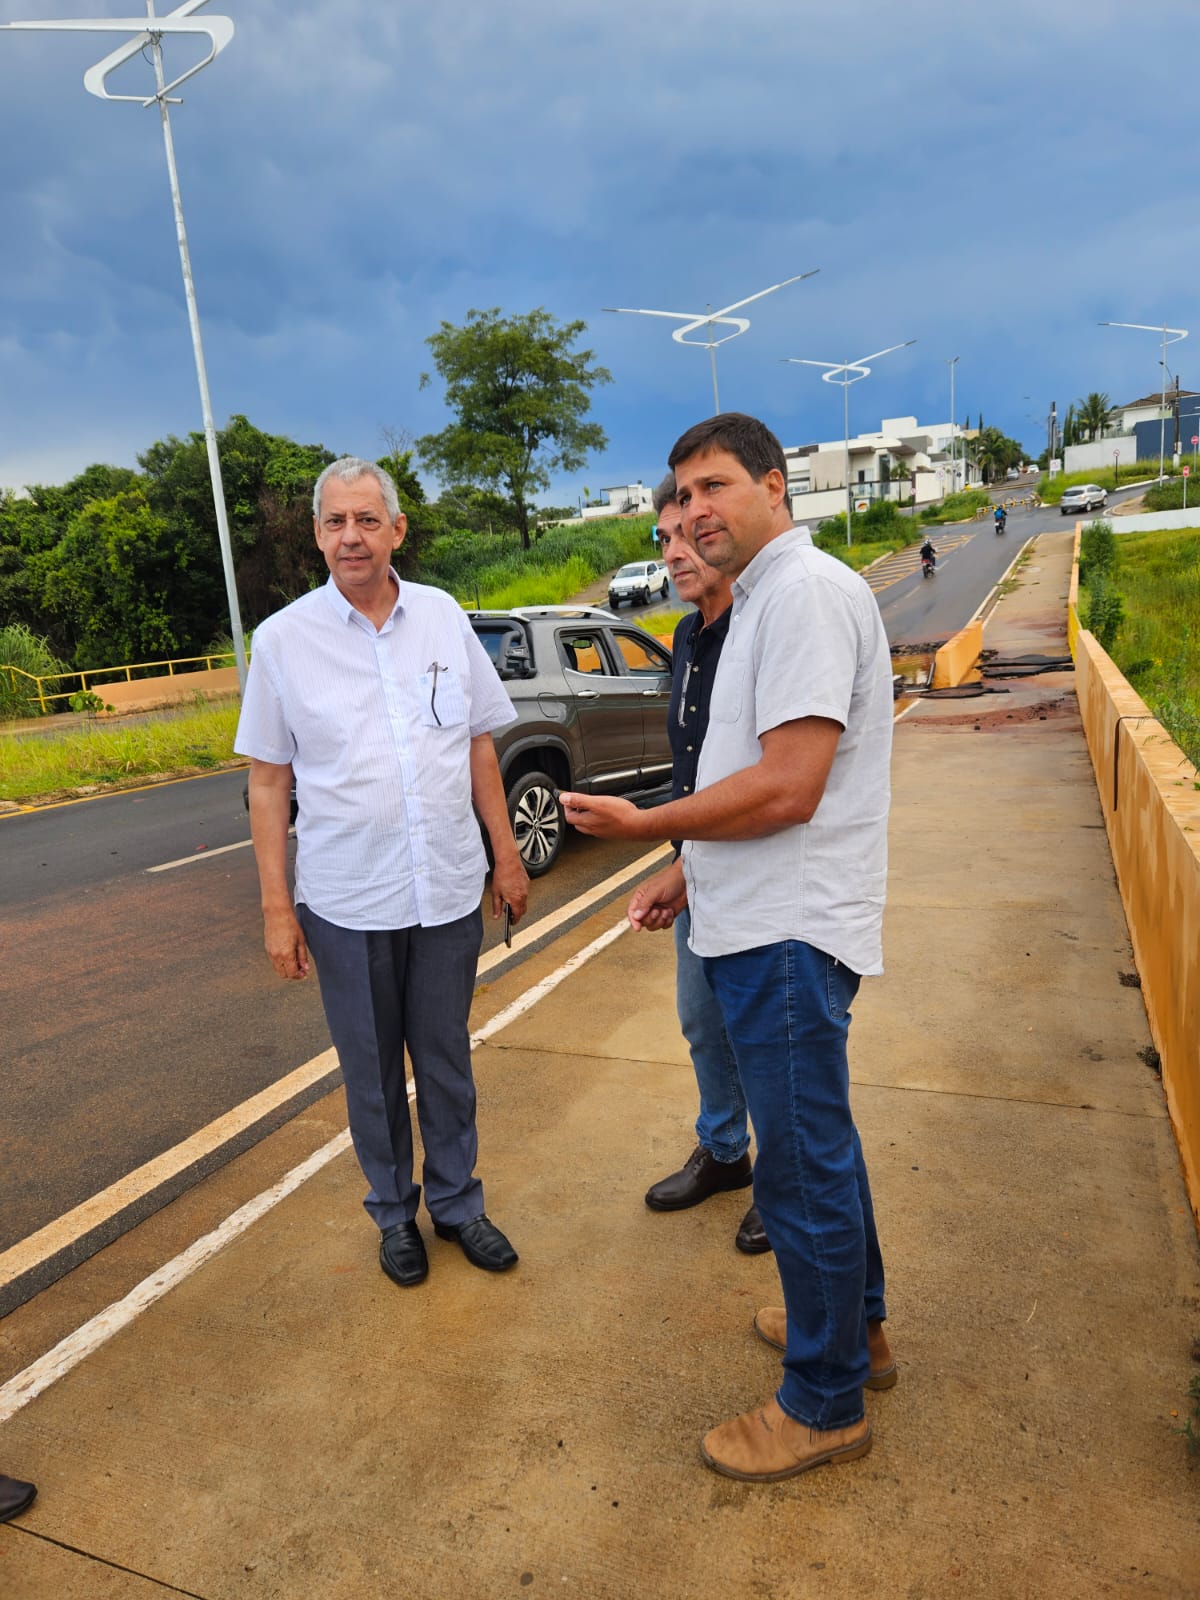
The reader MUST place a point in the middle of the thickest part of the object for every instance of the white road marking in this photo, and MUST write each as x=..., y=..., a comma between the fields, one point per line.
x=85, y=1341
x=527, y=936
x=80, y=1220
x=205, y=855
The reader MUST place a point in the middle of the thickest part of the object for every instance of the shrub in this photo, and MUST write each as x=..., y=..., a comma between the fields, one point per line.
x=1097, y=552
x=956, y=507
x=1106, y=610
x=31, y=655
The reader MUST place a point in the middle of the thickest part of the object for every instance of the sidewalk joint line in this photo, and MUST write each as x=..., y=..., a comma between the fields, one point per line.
x=104, y=1561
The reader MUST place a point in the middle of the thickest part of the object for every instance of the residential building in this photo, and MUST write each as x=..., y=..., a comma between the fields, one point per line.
x=902, y=458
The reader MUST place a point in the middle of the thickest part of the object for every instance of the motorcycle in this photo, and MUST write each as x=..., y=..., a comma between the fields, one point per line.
x=928, y=566
x=1001, y=523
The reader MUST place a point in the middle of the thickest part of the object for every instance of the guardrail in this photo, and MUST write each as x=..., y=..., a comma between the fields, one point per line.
x=95, y=674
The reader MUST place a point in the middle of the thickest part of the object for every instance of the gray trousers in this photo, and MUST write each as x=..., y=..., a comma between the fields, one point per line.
x=382, y=992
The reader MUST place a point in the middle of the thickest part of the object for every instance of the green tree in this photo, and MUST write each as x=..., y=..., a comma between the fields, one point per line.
x=521, y=392
x=110, y=577
x=995, y=453
x=1092, y=413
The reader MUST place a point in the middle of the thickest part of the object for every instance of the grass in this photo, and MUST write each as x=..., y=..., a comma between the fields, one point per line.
x=1050, y=490
x=956, y=507
x=116, y=754
x=493, y=572
x=1158, y=644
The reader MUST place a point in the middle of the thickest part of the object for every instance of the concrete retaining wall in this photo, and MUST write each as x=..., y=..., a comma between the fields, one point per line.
x=1151, y=805
x=957, y=659
x=1147, y=521
x=145, y=694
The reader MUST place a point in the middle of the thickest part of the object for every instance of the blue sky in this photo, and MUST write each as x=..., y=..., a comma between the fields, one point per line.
x=991, y=181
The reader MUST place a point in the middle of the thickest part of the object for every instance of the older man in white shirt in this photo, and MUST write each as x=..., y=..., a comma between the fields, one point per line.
x=376, y=699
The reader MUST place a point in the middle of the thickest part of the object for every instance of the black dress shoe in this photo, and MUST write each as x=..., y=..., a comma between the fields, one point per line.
x=402, y=1254
x=751, y=1238
x=701, y=1175
x=15, y=1497
x=482, y=1243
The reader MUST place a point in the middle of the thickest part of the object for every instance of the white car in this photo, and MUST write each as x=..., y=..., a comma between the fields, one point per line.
x=637, y=581
x=1084, y=497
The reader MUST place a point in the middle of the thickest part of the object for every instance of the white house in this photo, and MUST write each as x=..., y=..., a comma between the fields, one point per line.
x=903, y=457
x=621, y=500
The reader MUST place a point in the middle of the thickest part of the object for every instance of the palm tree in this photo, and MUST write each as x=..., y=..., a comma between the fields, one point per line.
x=1092, y=413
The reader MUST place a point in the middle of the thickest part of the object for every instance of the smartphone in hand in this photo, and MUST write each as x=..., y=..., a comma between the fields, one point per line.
x=508, y=924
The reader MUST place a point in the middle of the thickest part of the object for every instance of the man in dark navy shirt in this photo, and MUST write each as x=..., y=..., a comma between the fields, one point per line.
x=721, y=1159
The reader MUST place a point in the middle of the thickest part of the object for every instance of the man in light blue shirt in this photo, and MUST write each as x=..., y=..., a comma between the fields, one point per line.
x=377, y=701
x=783, y=873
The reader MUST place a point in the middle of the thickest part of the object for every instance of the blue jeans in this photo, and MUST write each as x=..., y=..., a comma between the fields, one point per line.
x=787, y=1012
x=721, y=1125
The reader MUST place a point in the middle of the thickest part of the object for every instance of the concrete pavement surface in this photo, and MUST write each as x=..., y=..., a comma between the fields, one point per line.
x=287, y=1423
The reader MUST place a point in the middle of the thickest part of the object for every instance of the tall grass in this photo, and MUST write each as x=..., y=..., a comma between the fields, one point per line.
x=1050, y=490
x=117, y=753
x=956, y=507
x=495, y=566
x=1158, y=644
x=29, y=654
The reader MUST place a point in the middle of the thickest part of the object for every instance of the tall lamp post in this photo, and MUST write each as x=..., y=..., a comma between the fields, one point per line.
x=853, y=371
x=1180, y=333
x=148, y=36
x=694, y=320
x=952, y=363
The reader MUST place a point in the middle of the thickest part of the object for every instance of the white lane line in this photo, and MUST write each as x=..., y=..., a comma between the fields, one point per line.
x=527, y=936
x=81, y=1219
x=85, y=1341
x=201, y=855
x=69, y=1352
x=548, y=984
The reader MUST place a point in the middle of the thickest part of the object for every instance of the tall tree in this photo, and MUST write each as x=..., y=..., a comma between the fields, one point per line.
x=1091, y=413
x=521, y=393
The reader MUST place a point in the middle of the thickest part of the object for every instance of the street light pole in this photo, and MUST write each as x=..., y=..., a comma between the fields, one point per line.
x=1180, y=333
x=693, y=321
x=952, y=363
x=219, y=31
x=860, y=370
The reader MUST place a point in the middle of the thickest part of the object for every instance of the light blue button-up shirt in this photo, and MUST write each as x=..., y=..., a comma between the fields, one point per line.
x=377, y=728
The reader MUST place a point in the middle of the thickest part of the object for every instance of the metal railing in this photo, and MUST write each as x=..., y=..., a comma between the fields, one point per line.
x=89, y=678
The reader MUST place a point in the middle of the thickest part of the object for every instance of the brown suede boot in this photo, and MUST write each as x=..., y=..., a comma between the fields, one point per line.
x=765, y=1445
x=770, y=1324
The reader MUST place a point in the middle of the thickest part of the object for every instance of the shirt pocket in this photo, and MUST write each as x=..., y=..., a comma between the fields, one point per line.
x=728, y=691
x=442, y=701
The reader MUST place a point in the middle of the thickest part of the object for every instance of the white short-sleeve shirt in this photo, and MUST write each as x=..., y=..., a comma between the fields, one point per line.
x=805, y=640
x=377, y=728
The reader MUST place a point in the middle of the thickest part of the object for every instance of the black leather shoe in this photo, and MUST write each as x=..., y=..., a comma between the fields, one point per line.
x=751, y=1238
x=482, y=1243
x=402, y=1254
x=15, y=1497
x=701, y=1175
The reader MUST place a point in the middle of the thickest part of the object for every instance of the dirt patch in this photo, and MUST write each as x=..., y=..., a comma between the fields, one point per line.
x=995, y=720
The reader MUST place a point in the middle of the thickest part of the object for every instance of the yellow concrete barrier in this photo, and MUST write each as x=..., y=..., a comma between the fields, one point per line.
x=956, y=661
x=146, y=694
x=1150, y=798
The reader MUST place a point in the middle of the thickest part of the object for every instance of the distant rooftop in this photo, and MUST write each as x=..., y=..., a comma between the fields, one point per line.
x=1155, y=399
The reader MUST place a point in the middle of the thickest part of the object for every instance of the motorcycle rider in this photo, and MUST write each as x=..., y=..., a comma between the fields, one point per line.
x=1001, y=517
x=928, y=553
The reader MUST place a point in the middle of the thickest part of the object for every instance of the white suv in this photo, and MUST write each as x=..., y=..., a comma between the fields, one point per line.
x=1084, y=497
x=637, y=581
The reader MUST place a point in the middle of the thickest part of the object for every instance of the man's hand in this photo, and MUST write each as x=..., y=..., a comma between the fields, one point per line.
x=659, y=900
x=605, y=816
x=510, y=882
x=285, y=943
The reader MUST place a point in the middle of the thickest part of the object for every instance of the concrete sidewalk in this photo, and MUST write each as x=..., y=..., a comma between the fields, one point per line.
x=286, y=1423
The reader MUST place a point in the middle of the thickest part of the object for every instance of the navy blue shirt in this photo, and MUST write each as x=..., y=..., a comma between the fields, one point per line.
x=695, y=651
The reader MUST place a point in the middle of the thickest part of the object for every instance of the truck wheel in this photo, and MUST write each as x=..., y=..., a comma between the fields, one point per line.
x=537, y=821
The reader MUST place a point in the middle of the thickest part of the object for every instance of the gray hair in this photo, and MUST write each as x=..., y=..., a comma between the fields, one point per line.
x=665, y=494
x=350, y=469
